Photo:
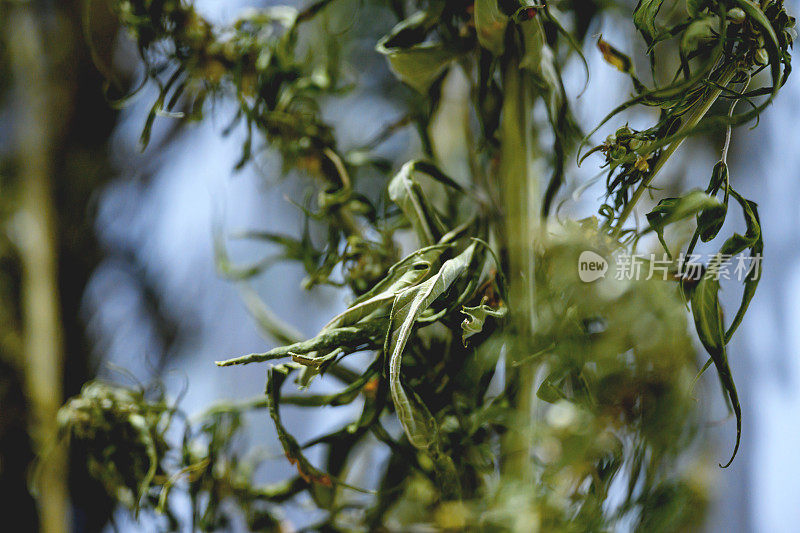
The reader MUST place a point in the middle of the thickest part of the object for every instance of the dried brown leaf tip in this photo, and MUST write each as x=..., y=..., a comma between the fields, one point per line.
x=310, y=476
x=614, y=57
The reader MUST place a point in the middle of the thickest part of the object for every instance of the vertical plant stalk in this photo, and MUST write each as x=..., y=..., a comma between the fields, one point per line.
x=695, y=116
x=520, y=197
x=35, y=238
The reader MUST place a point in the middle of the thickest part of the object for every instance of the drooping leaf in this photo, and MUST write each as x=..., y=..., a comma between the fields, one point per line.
x=707, y=314
x=419, y=66
x=399, y=270
x=671, y=210
x=406, y=191
x=312, y=475
x=315, y=477
x=413, y=60
x=752, y=239
x=711, y=219
x=407, y=273
x=352, y=338
x=574, y=44
x=490, y=25
x=705, y=299
x=476, y=317
x=418, y=423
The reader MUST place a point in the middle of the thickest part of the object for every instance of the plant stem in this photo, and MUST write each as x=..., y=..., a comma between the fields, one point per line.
x=35, y=238
x=520, y=197
x=695, y=116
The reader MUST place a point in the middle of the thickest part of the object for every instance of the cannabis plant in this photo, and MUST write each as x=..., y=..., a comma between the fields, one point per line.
x=511, y=391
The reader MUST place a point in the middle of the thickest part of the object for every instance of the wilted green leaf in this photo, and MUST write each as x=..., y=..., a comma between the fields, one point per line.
x=707, y=314
x=490, y=25
x=711, y=219
x=404, y=274
x=549, y=391
x=353, y=338
x=312, y=475
x=419, y=425
x=671, y=210
x=407, y=193
x=752, y=239
x=476, y=317
x=413, y=60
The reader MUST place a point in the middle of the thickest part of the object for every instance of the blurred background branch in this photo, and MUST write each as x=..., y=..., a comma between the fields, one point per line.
x=35, y=236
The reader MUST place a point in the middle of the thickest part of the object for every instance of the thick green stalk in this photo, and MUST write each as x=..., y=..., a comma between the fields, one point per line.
x=521, y=204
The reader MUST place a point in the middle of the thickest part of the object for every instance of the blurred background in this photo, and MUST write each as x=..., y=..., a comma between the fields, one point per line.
x=107, y=255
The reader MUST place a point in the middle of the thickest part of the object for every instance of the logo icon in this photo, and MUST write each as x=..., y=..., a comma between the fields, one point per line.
x=591, y=266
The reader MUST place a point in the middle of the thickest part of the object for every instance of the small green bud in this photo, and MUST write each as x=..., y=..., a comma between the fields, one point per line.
x=762, y=57
x=617, y=152
x=624, y=131
x=736, y=15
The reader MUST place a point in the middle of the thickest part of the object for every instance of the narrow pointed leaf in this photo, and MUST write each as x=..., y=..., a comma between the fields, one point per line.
x=707, y=314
